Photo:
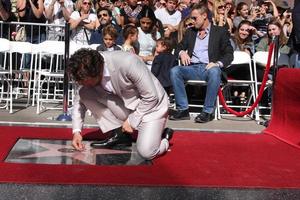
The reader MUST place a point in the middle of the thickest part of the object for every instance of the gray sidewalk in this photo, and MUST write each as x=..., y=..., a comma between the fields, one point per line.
x=27, y=116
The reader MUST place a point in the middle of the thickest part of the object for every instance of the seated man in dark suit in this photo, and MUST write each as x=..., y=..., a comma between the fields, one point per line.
x=204, y=50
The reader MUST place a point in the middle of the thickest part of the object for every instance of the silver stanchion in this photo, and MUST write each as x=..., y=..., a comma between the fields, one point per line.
x=65, y=116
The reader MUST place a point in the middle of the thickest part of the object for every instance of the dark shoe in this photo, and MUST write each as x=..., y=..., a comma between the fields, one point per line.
x=204, y=117
x=118, y=139
x=180, y=115
x=167, y=133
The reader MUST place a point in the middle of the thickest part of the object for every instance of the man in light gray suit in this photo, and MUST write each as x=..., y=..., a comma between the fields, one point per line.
x=123, y=96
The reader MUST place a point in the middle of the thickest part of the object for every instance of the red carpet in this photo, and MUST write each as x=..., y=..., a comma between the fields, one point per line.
x=285, y=122
x=196, y=159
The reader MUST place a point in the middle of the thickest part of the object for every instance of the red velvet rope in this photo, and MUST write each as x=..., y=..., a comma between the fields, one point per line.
x=261, y=90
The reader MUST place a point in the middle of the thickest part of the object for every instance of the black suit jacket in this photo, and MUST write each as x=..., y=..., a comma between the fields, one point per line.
x=161, y=67
x=219, y=47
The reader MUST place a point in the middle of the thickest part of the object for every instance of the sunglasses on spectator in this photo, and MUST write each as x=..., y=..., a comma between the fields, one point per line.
x=103, y=15
x=189, y=24
x=145, y=22
x=87, y=3
x=221, y=7
x=193, y=18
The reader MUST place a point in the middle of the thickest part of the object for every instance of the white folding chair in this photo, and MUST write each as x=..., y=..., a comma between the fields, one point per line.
x=93, y=46
x=50, y=75
x=75, y=47
x=5, y=74
x=35, y=51
x=261, y=58
x=21, y=59
x=244, y=59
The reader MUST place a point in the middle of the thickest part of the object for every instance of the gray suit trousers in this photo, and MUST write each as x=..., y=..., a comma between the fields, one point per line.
x=109, y=111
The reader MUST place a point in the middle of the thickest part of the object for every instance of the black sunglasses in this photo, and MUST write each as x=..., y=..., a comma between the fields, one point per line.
x=193, y=18
x=103, y=15
x=87, y=3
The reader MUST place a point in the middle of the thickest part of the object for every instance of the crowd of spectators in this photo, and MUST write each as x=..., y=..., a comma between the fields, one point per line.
x=152, y=28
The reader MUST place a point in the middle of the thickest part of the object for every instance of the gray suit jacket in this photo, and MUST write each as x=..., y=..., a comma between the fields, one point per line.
x=140, y=91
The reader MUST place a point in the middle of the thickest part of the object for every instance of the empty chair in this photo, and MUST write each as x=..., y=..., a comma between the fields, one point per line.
x=50, y=75
x=5, y=74
x=21, y=59
x=260, y=59
x=240, y=79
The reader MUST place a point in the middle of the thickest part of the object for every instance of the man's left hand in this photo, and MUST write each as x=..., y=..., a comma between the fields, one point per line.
x=126, y=127
x=211, y=64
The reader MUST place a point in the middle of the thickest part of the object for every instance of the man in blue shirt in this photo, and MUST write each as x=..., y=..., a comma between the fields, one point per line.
x=204, y=50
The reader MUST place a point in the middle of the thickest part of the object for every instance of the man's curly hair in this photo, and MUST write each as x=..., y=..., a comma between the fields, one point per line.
x=85, y=63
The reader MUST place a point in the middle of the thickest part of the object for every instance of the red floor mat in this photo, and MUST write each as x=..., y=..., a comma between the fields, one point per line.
x=195, y=159
x=285, y=121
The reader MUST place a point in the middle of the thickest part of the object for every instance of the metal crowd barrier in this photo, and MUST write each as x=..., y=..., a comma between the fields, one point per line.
x=35, y=34
x=33, y=31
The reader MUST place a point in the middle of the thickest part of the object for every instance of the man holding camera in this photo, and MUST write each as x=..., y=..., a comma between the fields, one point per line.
x=263, y=17
x=57, y=12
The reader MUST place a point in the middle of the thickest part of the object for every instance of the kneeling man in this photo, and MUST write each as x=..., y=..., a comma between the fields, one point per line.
x=123, y=96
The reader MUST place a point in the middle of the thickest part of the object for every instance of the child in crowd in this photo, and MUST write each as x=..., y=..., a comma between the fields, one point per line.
x=163, y=61
x=130, y=35
x=109, y=34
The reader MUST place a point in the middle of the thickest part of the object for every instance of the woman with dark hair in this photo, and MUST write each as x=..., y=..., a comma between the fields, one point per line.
x=148, y=35
x=242, y=39
x=130, y=12
x=242, y=13
x=274, y=29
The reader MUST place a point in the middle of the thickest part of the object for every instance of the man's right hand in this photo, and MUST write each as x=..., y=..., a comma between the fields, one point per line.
x=185, y=58
x=77, y=142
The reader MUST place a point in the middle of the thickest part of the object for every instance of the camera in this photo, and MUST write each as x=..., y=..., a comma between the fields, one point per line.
x=250, y=31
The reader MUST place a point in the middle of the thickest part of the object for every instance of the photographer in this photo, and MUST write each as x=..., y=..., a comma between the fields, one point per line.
x=82, y=22
x=263, y=17
x=57, y=12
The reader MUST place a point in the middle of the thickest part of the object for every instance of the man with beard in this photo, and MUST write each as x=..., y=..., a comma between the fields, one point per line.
x=104, y=19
